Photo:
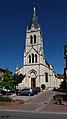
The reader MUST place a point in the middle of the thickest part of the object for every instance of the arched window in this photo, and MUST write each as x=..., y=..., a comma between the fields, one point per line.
x=46, y=77
x=34, y=38
x=35, y=58
x=29, y=59
x=32, y=58
x=31, y=39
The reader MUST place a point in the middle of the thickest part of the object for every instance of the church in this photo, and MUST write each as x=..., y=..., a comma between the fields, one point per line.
x=35, y=66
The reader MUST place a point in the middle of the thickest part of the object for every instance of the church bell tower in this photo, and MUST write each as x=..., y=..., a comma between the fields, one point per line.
x=35, y=67
x=33, y=40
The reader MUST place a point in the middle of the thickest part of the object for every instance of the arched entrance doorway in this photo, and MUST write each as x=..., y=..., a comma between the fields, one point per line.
x=33, y=78
x=33, y=82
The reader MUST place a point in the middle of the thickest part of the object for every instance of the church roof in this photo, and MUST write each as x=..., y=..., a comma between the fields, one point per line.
x=60, y=76
x=34, y=22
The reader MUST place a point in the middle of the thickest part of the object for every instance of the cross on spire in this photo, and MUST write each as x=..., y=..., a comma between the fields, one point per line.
x=34, y=12
x=34, y=21
x=34, y=9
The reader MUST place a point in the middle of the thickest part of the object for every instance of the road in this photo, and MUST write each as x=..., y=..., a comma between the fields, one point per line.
x=31, y=115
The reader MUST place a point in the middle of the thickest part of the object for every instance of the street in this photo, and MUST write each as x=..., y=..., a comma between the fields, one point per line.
x=30, y=115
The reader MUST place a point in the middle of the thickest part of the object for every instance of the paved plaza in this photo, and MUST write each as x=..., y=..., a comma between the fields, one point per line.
x=43, y=102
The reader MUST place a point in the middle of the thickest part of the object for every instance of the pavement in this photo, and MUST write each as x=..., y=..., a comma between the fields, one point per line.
x=53, y=107
x=43, y=102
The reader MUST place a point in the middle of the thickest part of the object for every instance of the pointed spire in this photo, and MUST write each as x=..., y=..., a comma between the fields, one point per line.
x=34, y=12
x=34, y=22
x=34, y=9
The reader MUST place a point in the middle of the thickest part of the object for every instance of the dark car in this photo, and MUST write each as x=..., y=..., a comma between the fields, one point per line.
x=35, y=90
x=17, y=91
x=25, y=91
x=38, y=89
x=5, y=91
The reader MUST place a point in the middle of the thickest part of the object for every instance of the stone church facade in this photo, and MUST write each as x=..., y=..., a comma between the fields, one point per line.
x=35, y=66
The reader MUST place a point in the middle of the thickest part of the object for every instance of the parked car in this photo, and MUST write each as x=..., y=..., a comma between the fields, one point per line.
x=17, y=91
x=12, y=90
x=5, y=91
x=25, y=91
x=38, y=89
x=35, y=90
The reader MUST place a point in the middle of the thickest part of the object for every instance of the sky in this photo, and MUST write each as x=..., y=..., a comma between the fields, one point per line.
x=15, y=16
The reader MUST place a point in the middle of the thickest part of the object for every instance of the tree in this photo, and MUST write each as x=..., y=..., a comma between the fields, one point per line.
x=8, y=80
x=18, y=79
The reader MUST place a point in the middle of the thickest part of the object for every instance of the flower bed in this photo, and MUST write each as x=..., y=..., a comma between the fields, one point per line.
x=7, y=101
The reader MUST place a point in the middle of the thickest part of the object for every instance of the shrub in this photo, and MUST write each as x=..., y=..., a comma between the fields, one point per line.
x=5, y=99
x=58, y=99
x=43, y=86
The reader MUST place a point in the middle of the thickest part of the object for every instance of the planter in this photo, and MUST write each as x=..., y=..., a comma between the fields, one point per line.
x=7, y=101
x=58, y=99
x=11, y=103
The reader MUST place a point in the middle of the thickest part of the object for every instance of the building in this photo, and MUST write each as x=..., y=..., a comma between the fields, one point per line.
x=2, y=73
x=35, y=66
x=60, y=79
x=65, y=57
x=65, y=68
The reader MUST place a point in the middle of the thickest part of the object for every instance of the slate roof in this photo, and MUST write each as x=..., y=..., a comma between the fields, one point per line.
x=34, y=22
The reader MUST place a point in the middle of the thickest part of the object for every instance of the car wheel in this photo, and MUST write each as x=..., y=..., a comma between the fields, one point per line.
x=29, y=94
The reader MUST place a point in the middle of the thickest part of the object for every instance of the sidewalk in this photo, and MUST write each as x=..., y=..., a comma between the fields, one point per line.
x=41, y=103
x=53, y=107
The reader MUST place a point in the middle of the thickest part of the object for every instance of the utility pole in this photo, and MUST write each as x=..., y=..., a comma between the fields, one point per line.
x=65, y=69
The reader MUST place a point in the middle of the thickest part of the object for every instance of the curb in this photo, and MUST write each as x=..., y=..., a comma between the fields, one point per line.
x=7, y=110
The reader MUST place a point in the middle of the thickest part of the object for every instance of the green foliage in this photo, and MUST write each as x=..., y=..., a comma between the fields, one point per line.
x=43, y=86
x=11, y=81
x=58, y=99
x=8, y=81
x=18, y=78
x=5, y=99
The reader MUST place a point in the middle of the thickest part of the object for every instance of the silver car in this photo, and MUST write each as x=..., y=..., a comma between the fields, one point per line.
x=25, y=91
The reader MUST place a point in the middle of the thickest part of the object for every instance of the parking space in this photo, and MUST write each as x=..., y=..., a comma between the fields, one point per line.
x=25, y=98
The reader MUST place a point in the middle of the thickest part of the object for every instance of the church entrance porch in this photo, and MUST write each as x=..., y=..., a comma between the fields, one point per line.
x=32, y=75
x=33, y=82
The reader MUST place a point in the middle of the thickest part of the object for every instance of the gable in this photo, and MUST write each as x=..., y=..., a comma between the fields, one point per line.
x=32, y=50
